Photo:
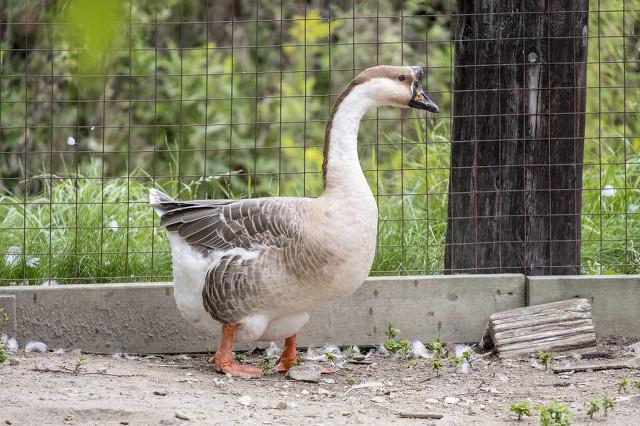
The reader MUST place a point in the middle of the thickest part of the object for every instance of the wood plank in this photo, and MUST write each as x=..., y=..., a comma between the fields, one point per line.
x=143, y=318
x=561, y=345
x=516, y=332
x=558, y=326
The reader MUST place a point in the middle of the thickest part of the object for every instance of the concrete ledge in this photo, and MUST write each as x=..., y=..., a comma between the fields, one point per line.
x=615, y=299
x=143, y=318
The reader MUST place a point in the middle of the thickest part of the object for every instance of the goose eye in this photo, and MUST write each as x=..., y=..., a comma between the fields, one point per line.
x=401, y=77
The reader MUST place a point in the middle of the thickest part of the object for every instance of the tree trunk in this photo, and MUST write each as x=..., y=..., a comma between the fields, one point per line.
x=517, y=139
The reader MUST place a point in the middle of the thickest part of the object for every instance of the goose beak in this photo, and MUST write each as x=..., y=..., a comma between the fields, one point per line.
x=420, y=100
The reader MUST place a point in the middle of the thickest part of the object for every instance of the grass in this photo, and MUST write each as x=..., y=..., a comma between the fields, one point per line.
x=93, y=230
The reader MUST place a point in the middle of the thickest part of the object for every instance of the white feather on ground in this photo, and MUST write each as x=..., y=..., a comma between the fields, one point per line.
x=35, y=347
x=10, y=344
x=460, y=349
x=419, y=350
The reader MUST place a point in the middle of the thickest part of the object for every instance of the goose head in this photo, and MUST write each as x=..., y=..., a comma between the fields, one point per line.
x=395, y=86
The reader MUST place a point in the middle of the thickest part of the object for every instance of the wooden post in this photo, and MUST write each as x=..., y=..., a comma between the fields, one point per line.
x=517, y=138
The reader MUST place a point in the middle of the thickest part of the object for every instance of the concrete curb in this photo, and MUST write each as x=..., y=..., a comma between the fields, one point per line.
x=615, y=299
x=143, y=318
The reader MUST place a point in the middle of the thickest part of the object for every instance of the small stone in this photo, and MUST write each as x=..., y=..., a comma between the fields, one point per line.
x=431, y=401
x=124, y=423
x=305, y=373
x=451, y=400
x=13, y=361
x=322, y=391
x=102, y=370
x=68, y=418
x=305, y=392
x=472, y=410
x=161, y=392
x=282, y=406
x=245, y=400
x=378, y=399
x=328, y=381
x=181, y=415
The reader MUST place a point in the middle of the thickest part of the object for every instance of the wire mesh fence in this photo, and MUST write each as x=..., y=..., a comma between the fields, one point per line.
x=216, y=99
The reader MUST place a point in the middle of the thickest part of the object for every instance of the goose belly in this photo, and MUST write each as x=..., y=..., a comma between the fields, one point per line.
x=189, y=271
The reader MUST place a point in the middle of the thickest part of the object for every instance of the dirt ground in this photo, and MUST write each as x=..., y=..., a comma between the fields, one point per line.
x=42, y=388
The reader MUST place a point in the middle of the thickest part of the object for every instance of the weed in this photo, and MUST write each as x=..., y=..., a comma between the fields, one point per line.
x=3, y=353
x=413, y=363
x=436, y=346
x=521, y=409
x=349, y=379
x=330, y=357
x=393, y=345
x=240, y=359
x=79, y=363
x=605, y=404
x=468, y=354
x=553, y=414
x=624, y=384
x=437, y=365
x=266, y=365
x=608, y=404
x=351, y=351
x=636, y=385
x=593, y=407
x=455, y=361
x=545, y=359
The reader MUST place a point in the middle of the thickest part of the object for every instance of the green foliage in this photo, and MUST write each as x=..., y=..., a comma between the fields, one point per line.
x=436, y=346
x=605, y=404
x=266, y=365
x=352, y=351
x=78, y=364
x=593, y=407
x=349, y=379
x=545, y=359
x=624, y=384
x=553, y=414
x=521, y=409
x=608, y=404
x=636, y=384
x=395, y=345
x=437, y=364
x=330, y=357
x=91, y=29
x=4, y=317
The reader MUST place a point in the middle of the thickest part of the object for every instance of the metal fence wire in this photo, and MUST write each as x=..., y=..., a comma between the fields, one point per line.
x=215, y=99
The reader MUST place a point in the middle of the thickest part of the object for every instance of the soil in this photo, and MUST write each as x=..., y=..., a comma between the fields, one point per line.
x=42, y=388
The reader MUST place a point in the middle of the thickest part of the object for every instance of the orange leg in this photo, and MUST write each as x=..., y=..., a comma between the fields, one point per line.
x=222, y=361
x=288, y=358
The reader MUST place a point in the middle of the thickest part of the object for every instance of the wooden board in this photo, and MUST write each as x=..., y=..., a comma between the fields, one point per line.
x=143, y=318
x=552, y=327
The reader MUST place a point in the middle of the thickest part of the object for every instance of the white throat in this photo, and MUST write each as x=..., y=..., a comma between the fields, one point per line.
x=343, y=166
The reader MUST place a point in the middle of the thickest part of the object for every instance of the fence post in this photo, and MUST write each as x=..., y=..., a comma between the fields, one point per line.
x=517, y=139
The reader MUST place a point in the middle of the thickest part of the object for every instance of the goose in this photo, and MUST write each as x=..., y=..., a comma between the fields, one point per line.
x=258, y=266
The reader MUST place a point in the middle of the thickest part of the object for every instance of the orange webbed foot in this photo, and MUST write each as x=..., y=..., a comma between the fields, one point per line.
x=235, y=369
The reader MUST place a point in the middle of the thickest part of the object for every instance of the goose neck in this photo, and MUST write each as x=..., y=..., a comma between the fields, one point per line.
x=341, y=167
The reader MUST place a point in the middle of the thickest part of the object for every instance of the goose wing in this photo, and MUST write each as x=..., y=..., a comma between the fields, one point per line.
x=227, y=224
